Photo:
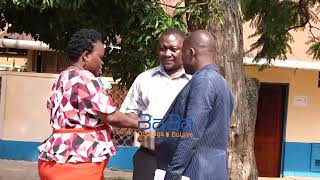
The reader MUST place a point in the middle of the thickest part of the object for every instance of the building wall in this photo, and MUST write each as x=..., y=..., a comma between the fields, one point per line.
x=302, y=123
x=24, y=119
x=25, y=106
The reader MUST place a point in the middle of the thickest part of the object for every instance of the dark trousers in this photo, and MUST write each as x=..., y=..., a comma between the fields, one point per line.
x=144, y=164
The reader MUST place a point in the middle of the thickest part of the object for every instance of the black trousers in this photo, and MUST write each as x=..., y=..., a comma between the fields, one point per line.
x=144, y=164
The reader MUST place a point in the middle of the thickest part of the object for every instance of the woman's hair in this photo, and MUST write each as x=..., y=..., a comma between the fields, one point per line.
x=81, y=41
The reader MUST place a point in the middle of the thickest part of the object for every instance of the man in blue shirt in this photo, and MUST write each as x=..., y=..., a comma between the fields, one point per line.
x=205, y=105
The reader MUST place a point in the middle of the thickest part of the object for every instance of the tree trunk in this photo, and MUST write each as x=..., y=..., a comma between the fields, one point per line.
x=230, y=59
x=249, y=167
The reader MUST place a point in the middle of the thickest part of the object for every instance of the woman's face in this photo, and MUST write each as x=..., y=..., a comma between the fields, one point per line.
x=94, y=59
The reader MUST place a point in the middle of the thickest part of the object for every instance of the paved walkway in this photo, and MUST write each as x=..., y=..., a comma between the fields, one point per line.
x=25, y=170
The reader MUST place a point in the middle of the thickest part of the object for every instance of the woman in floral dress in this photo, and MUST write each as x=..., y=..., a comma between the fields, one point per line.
x=80, y=114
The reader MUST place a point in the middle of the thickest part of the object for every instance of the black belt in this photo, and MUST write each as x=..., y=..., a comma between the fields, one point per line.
x=147, y=150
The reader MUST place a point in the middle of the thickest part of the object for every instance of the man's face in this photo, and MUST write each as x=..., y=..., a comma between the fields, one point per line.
x=187, y=58
x=170, y=54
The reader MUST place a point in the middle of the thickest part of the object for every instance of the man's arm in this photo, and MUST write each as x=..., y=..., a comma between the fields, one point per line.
x=198, y=108
x=132, y=106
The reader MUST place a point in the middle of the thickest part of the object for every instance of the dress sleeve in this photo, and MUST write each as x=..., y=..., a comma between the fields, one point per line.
x=92, y=97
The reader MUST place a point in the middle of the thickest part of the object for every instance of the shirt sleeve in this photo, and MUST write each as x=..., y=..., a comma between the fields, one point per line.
x=92, y=97
x=198, y=108
x=133, y=102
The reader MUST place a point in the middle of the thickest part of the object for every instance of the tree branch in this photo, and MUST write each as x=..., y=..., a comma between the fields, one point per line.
x=314, y=27
x=167, y=5
x=298, y=26
x=301, y=2
x=191, y=25
x=310, y=30
x=187, y=2
x=314, y=15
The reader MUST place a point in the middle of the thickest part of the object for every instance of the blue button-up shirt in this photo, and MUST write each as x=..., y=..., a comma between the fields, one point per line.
x=201, y=153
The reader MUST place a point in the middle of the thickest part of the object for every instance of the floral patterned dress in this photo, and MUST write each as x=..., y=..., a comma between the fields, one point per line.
x=74, y=102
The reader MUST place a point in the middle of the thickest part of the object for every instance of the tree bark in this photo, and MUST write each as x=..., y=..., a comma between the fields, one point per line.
x=229, y=38
x=249, y=167
x=230, y=58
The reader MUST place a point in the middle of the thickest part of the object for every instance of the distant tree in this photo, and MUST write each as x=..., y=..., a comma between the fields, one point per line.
x=275, y=20
x=138, y=24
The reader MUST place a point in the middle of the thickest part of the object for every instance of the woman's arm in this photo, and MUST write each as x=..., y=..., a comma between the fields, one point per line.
x=119, y=119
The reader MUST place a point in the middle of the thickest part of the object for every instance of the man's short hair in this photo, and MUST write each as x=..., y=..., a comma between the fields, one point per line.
x=174, y=31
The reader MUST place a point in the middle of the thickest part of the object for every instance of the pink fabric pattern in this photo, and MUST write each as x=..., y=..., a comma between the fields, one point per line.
x=75, y=100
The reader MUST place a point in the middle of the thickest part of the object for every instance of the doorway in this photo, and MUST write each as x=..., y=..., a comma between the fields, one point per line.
x=268, y=143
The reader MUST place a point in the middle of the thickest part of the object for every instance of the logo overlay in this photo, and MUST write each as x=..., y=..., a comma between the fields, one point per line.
x=173, y=126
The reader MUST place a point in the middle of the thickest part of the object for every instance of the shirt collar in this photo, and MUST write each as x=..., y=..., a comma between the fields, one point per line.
x=160, y=69
x=208, y=66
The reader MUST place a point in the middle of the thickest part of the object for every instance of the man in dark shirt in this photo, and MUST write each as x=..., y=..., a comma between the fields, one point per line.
x=205, y=105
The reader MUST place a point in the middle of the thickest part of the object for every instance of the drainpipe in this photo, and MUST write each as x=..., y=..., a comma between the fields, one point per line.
x=24, y=44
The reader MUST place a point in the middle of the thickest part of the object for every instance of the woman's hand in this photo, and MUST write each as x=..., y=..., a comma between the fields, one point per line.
x=119, y=119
